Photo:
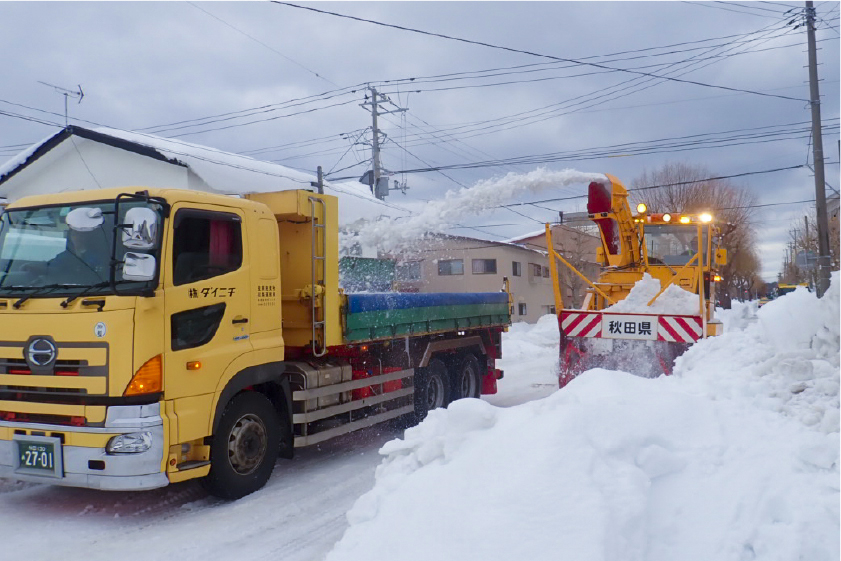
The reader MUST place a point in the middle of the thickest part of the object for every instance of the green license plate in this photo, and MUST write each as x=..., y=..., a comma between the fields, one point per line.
x=38, y=457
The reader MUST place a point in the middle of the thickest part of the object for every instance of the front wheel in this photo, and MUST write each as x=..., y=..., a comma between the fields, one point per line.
x=244, y=447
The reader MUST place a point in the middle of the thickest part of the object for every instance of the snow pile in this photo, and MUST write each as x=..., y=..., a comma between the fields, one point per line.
x=736, y=458
x=739, y=316
x=484, y=196
x=787, y=360
x=530, y=362
x=674, y=300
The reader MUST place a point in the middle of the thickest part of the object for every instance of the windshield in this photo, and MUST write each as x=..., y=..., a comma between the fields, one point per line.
x=668, y=244
x=39, y=250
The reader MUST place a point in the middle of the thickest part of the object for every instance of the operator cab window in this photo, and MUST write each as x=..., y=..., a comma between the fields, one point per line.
x=205, y=245
x=674, y=245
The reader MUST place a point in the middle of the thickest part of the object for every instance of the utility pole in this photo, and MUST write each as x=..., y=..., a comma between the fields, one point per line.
x=320, y=183
x=817, y=153
x=380, y=185
x=376, y=146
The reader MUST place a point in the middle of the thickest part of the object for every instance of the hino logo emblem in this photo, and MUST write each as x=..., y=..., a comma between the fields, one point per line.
x=41, y=352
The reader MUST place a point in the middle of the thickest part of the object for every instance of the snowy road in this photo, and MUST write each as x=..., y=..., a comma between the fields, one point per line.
x=298, y=516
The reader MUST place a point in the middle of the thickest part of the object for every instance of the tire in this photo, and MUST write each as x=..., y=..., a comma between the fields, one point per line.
x=432, y=389
x=466, y=378
x=244, y=447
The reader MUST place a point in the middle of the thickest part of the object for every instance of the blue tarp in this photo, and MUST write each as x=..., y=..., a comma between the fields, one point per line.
x=372, y=302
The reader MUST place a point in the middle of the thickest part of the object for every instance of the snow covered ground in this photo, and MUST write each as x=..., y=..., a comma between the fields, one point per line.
x=733, y=458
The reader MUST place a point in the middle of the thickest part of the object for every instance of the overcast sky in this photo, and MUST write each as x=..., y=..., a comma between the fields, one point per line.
x=285, y=84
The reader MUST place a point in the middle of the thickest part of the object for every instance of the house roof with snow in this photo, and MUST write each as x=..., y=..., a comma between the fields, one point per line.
x=481, y=242
x=77, y=158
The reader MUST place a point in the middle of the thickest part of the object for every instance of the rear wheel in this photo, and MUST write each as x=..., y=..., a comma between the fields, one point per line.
x=434, y=386
x=244, y=447
x=466, y=378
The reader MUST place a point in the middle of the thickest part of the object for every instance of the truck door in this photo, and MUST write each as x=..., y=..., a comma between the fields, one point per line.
x=207, y=303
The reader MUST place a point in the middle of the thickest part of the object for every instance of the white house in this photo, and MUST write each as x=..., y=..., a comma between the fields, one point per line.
x=76, y=158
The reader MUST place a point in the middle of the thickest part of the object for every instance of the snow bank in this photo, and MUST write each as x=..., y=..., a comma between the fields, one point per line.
x=484, y=196
x=674, y=299
x=786, y=360
x=530, y=362
x=735, y=458
x=739, y=316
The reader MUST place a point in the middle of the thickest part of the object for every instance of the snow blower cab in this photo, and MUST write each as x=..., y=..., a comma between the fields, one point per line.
x=654, y=296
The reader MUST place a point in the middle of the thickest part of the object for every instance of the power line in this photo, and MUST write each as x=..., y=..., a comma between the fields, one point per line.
x=718, y=178
x=520, y=51
x=706, y=5
x=515, y=121
x=316, y=74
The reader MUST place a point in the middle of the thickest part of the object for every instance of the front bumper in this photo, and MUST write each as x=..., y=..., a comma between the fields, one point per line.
x=89, y=466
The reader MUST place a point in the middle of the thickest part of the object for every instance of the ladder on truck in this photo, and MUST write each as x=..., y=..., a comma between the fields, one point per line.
x=319, y=267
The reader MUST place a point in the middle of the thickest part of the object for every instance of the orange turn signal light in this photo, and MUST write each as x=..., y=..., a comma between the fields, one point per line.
x=147, y=379
x=194, y=365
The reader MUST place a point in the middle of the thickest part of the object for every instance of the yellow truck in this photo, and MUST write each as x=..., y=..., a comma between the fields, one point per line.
x=680, y=249
x=151, y=336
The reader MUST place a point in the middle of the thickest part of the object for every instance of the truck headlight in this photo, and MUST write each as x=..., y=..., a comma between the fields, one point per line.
x=131, y=443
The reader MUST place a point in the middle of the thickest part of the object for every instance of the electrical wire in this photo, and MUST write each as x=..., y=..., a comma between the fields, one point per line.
x=521, y=51
x=314, y=73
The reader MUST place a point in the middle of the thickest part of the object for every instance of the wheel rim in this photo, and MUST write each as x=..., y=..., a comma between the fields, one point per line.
x=247, y=444
x=468, y=382
x=435, y=392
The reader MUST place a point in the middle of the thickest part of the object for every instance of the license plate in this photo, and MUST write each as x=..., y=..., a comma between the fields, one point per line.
x=39, y=455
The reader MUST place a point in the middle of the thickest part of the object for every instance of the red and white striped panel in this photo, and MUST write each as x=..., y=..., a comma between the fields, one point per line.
x=581, y=324
x=680, y=329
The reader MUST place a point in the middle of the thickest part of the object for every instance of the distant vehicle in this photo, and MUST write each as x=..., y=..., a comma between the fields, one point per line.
x=764, y=300
x=786, y=288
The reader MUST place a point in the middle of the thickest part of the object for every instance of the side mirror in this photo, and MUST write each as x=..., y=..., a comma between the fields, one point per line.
x=721, y=257
x=139, y=267
x=142, y=230
x=84, y=219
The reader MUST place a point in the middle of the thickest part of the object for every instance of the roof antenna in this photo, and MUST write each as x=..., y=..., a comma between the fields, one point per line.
x=66, y=93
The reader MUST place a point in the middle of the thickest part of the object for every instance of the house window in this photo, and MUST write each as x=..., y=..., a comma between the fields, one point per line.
x=451, y=267
x=521, y=309
x=516, y=269
x=409, y=271
x=206, y=244
x=484, y=266
x=536, y=270
x=545, y=272
x=549, y=310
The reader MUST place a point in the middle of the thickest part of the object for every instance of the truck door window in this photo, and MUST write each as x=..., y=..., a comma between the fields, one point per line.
x=205, y=245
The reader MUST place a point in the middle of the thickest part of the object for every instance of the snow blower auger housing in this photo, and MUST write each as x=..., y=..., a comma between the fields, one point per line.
x=645, y=337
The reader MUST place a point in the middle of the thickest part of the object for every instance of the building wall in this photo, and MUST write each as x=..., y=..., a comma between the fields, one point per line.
x=94, y=166
x=533, y=294
x=579, y=248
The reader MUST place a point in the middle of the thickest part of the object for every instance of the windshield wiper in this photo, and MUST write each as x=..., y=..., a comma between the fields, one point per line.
x=66, y=302
x=46, y=289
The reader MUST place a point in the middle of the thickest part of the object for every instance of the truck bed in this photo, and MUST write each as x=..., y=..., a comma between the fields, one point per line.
x=386, y=315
